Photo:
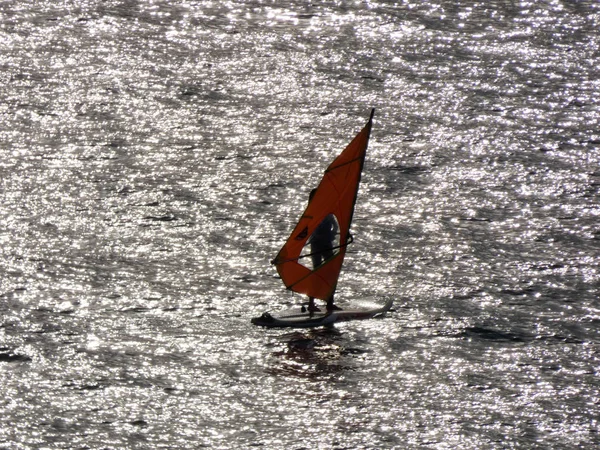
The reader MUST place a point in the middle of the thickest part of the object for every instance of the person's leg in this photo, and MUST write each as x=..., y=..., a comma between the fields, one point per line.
x=331, y=306
x=316, y=250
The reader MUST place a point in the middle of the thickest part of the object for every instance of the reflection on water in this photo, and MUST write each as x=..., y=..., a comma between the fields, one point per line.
x=315, y=355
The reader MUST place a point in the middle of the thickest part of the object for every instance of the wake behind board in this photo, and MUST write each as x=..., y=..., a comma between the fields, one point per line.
x=318, y=319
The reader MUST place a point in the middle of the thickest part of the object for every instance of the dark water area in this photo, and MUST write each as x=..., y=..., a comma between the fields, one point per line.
x=155, y=155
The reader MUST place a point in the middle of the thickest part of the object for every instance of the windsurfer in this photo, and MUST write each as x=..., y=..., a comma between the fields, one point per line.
x=321, y=249
x=323, y=232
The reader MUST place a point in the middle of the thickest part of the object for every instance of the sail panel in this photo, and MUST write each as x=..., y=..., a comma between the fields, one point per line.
x=335, y=196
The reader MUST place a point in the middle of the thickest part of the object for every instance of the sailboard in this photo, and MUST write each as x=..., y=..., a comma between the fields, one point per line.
x=311, y=259
x=304, y=319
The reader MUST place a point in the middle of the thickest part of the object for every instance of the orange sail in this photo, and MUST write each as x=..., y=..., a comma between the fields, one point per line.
x=311, y=259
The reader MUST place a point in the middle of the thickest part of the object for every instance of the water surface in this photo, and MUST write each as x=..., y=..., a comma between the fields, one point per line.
x=154, y=156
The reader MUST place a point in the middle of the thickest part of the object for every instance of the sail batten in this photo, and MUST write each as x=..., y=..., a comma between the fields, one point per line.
x=329, y=169
x=327, y=216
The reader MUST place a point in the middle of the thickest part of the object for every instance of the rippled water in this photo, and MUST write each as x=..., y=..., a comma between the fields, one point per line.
x=154, y=155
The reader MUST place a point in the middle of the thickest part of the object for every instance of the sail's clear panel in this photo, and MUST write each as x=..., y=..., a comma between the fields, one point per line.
x=323, y=244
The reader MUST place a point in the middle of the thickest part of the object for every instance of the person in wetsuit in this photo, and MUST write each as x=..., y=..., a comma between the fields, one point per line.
x=322, y=243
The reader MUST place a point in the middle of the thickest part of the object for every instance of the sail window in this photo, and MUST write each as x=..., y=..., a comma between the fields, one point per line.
x=323, y=244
